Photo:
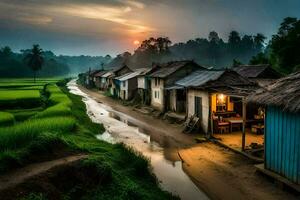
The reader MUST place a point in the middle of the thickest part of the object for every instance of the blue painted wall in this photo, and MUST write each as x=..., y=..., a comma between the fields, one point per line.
x=282, y=143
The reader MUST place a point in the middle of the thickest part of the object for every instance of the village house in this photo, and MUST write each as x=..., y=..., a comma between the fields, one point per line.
x=105, y=82
x=128, y=84
x=144, y=85
x=98, y=79
x=90, y=78
x=115, y=86
x=165, y=77
x=261, y=74
x=282, y=127
x=216, y=98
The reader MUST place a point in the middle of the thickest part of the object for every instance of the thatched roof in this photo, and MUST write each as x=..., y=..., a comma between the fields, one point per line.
x=257, y=71
x=285, y=93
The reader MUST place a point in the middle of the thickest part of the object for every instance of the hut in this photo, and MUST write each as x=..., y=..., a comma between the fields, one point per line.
x=115, y=87
x=162, y=97
x=128, y=83
x=262, y=74
x=90, y=78
x=98, y=79
x=144, y=85
x=282, y=126
x=105, y=81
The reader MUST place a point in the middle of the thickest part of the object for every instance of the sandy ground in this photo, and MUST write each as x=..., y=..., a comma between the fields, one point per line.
x=221, y=173
x=234, y=140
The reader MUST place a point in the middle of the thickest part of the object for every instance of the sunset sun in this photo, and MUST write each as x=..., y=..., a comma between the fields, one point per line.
x=136, y=42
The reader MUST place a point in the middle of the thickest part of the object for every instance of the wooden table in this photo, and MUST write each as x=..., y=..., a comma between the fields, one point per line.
x=234, y=122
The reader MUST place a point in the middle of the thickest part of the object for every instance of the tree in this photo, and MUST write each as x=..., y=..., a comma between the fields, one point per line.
x=236, y=63
x=5, y=52
x=260, y=58
x=213, y=37
x=234, y=38
x=259, y=41
x=35, y=60
x=234, y=44
x=285, y=45
x=162, y=44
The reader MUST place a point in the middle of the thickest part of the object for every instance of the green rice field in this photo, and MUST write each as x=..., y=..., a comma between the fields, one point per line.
x=42, y=121
x=29, y=111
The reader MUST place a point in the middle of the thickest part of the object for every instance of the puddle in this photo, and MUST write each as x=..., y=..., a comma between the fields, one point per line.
x=132, y=132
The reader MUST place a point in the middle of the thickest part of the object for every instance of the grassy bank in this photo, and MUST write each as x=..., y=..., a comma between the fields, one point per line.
x=61, y=127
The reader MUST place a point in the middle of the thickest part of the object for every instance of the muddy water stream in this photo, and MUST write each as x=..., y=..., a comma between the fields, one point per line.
x=132, y=132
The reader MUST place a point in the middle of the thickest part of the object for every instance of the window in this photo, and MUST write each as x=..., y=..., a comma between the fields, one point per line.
x=124, y=84
x=158, y=94
x=221, y=103
x=155, y=94
x=198, y=107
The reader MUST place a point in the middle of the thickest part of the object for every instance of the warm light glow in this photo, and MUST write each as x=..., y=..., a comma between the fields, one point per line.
x=136, y=42
x=221, y=98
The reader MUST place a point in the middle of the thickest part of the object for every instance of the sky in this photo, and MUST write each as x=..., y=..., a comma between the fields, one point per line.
x=100, y=27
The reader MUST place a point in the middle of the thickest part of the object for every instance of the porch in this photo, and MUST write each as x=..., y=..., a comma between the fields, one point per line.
x=233, y=140
x=236, y=124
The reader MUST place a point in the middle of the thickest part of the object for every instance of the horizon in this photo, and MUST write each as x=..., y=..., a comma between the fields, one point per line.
x=98, y=28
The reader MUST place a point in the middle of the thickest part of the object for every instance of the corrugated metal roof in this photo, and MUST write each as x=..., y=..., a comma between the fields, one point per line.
x=174, y=87
x=199, y=78
x=129, y=75
x=99, y=74
x=107, y=74
x=169, y=68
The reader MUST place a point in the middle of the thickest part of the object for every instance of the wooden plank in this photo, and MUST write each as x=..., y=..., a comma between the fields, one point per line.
x=244, y=124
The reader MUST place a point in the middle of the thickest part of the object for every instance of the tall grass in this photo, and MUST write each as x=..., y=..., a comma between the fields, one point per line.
x=22, y=134
x=6, y=119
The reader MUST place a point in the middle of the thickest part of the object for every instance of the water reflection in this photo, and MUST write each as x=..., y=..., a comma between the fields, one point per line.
x=122, y=128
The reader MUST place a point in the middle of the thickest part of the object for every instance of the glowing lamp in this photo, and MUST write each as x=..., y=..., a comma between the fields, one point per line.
x=221, y=98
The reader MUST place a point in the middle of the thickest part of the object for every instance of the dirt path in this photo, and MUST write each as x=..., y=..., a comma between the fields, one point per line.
x=221, y=173
x=19, y=176
x=227, y=175
x=165, y=133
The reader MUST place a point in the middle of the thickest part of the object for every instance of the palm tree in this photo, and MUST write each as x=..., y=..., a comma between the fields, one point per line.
x=35, y=59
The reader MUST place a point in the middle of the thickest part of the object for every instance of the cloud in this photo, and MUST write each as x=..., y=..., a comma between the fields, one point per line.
x=34, y=20
x=43, y=12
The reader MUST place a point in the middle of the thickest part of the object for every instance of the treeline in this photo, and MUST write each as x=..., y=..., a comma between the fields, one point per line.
x=282, y=52
x=212, y=51
x=13, y=64
x=82, y=63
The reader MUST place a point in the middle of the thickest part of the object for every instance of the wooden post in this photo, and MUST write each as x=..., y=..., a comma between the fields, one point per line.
x=211, y=116
x=244, y=124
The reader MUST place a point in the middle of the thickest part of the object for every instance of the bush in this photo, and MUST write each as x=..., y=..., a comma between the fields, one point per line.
x=6, y=119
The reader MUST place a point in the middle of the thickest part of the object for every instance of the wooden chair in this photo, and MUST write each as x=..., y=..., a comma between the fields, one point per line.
x=223, y=127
